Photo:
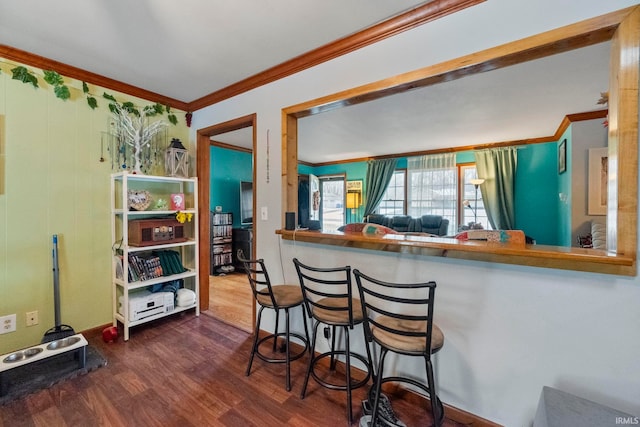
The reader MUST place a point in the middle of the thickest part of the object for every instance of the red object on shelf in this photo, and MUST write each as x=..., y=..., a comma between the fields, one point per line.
x=177, y=201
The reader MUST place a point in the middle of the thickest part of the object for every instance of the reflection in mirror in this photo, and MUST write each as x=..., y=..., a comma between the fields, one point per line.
x=621, y=136
x=525, y=104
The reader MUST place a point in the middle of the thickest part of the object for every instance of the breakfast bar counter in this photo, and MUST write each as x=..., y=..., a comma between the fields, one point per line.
x=568, y=258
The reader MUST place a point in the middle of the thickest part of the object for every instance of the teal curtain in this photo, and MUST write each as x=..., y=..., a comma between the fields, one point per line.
x=498, y=168
x=379, y=174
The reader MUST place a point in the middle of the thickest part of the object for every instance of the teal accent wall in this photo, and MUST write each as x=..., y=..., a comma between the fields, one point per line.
x=228, y=168
x=564, y=187
x=353, y=171
x=536, y=198
x=465, y=157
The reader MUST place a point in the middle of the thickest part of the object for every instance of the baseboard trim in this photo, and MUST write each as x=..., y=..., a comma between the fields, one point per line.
x=96, y=331
x=451, y=412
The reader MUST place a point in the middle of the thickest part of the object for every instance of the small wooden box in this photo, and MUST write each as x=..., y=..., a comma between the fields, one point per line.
x=155, y=231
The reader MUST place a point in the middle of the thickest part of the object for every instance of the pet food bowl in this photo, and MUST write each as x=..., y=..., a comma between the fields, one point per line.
x=22, y=354
x=62, y=343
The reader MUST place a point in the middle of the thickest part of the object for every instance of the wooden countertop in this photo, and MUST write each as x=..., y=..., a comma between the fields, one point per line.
x=566, y=258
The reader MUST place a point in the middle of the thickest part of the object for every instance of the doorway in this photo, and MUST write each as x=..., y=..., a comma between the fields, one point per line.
x=224, y=290
x=332, y=206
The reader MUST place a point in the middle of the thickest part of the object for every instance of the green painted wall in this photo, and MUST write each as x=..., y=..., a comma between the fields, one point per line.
x=52, y=182
x=228, y=168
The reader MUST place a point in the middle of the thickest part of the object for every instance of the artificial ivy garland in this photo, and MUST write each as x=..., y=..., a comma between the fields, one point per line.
x=62, y=91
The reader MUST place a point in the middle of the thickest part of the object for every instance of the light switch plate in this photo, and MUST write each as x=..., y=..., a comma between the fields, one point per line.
x=264, y=213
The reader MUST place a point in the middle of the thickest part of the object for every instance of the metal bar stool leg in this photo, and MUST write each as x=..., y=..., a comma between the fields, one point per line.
x=306, y=329
x=348, y=367
x=436, y=406
x=311, y=359
x=378, y=387
x=288, y=355
x=333, y=348
x=275, y=334
x=254, y=347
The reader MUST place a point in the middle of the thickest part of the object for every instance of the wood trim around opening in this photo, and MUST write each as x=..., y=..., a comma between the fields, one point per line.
x=623, y=27
x=203, y=173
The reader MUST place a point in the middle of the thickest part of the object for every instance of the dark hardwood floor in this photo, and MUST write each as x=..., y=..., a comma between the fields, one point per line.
x=189, y=371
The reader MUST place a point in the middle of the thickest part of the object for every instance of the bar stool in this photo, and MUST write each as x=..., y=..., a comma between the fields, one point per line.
x=328, y=300
x=275, y=297
x=399, y=318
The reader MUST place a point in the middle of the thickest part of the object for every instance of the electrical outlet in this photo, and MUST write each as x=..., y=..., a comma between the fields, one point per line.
x=327, y=332
x=7, y=324
x=264, y=213
x=32, y=318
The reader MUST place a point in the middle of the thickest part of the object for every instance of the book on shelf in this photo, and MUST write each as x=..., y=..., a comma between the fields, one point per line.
x=223, y=218
x=150, y=265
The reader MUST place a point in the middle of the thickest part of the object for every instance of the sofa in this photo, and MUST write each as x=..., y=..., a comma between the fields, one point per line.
x=430, y=224
x=597, y=239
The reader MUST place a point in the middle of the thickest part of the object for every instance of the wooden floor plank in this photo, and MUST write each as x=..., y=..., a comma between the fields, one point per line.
x=231, y=300
x=189, y=371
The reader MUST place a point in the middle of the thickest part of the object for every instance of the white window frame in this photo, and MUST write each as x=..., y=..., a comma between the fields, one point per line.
x=399, y=205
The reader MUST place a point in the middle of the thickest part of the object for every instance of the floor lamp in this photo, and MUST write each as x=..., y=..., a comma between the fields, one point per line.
x=476, y=183
x=353, y=202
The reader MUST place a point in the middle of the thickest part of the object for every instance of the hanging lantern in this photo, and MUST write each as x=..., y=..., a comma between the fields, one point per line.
x=176, y=160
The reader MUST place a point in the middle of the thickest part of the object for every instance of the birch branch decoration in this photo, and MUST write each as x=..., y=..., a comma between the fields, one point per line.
x=136, y=131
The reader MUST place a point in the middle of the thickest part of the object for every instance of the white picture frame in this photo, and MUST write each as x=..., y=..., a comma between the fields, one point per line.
x=598, y=178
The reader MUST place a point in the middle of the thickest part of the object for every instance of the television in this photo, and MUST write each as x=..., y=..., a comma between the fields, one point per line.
x=246, y=203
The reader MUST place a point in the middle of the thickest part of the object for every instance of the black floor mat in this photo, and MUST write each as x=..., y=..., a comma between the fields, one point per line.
x=44, y=373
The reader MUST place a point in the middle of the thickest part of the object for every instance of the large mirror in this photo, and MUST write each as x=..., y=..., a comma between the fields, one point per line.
x=525, y=103
x=525, y=97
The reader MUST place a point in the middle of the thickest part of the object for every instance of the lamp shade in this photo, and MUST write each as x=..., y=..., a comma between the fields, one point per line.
x=353, y=200
x=476, y=181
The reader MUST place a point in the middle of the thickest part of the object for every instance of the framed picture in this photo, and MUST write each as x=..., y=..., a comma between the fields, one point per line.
x=177, y=202
x=562, y=156
x=354, y=185
x=598, y=178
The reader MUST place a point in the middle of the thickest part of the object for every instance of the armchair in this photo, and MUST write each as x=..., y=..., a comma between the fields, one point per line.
x=378, y=219
x=433, y=224
x=402, y=223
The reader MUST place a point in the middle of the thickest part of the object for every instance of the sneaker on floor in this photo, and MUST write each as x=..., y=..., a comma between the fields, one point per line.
x=384, y=411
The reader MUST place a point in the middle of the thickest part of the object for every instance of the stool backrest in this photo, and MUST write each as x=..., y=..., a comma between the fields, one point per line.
x=258, y=278
x=409, y=305
x=326, y=289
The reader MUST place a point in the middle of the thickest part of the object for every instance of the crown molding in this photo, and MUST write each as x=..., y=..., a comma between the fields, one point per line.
x=398, y=24
x=43, y=63
x=405, y=21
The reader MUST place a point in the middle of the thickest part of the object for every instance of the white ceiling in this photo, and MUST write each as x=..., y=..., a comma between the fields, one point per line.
x=186, y=50
x=527, y=100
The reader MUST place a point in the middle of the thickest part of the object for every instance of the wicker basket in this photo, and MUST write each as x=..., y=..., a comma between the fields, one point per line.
x=139, y=200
